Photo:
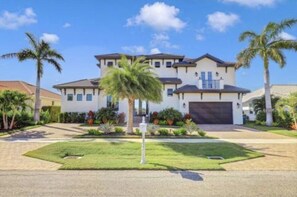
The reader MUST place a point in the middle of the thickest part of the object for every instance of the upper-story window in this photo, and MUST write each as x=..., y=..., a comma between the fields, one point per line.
x=79, y=97
x=168, y=64
x=109, y=63
x=89, y=97
x=170, y=92
x=69, y=97
x=157, y=64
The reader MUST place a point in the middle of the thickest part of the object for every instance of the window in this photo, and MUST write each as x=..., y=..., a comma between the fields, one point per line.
x=109, y=63
x=157, y=64
x=79, y=97
x=89, y=97
x=203, y=79
x=69, y=97
x=114, y=105
x=168, y=64
x=170, y=92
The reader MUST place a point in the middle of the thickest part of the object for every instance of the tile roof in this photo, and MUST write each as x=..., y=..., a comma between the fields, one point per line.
x=26, y=88
x=227, y=89
x=83, y=83
x=150, y=56
x=170, y=80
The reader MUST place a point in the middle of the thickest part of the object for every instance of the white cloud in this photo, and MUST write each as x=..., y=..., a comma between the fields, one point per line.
x=66, y=25
x=252, y=3
x=155, y=51
x=199, y=37
x=50, y=38
x=220, y=21
x=162, y=40
x=159, y=16
x=13, y=20
x=286, y=36
x=134, y=49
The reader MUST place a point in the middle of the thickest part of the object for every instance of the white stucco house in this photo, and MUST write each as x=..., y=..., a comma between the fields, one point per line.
x=205, y=87
x=278, y=90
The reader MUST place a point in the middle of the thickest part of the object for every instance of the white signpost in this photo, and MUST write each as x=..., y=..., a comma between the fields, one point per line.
x=143, y=128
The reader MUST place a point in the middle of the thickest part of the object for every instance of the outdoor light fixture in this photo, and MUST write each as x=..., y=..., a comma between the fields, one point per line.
x=238, y=105
x=217, y=74
x=184, y=105
x=196, y=74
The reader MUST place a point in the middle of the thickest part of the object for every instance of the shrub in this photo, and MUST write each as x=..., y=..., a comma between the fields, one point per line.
x=94, y=132
x=119, y=130
x=137, y=131
x=261, y=116
x=163, y=122
x=179, y=123
x=201, y=133
x=45, y=117
x=106, y=114
x=284, y=120
x=181, y=131
x=151, y=128
x=163, y=132
x=23, y=119
x=121, y=118
x=190, y=126
x=54, y=112
x=106, y=128
x=72, y=117
x=262, y=123
x=170, y=114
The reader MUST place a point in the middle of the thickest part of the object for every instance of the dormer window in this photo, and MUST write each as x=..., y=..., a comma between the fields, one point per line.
x=157, y=64
x=109, y=63
x=168, y=64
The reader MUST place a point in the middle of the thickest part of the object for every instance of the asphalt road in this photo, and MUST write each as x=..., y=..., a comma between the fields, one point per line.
x=148, y=183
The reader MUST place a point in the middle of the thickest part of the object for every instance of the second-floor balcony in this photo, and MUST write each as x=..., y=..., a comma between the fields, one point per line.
x=211, y=84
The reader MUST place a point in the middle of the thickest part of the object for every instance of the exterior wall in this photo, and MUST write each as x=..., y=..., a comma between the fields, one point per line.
x=104, y=66
x=187, y=75
x=50, y=102
x=168, y=101
x=163, y=71
x=79, y=106
x=214, y=97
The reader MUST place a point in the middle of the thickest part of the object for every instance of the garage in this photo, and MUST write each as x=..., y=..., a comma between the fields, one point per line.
x=211, y=112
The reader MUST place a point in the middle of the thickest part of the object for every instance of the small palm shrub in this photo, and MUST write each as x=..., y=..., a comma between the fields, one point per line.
x=152, y=128
x=201, y=133
x=164, y=132
x=45, y=117
x=163, y=122
x=106, y=128
x=179, y=123
x=190, y=126
x=106, y=114
x=137, y=131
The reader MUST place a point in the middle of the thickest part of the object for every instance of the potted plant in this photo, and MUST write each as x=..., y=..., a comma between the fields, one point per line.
x=170, y=115
x=155, y=118
x=90, y=118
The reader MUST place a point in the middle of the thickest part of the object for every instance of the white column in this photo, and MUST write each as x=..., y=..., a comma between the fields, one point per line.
x=200, y=83
x=222, y=83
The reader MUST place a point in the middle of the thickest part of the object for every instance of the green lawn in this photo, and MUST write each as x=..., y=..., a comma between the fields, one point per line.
x=276, y=130
x=126, y=155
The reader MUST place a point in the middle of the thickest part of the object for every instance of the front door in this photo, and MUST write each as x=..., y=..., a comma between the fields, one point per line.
x=140, y=107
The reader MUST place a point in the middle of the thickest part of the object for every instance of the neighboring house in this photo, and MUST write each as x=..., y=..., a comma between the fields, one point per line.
x=204, y=87
x=279, y=90
x=47, y=97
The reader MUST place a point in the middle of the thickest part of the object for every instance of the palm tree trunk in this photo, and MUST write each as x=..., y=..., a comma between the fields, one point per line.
x=268, y=105
x=130, y=116
x=37, y=98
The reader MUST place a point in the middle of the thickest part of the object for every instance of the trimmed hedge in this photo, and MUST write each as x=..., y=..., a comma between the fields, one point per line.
x=54, y=112
x=72, y=117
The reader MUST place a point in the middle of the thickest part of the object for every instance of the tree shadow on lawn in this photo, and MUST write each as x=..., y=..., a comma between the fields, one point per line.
x=185, y=174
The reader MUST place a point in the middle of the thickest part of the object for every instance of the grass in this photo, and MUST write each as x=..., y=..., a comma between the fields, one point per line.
x=275, y=130
x=7, y=132
x=126, y=155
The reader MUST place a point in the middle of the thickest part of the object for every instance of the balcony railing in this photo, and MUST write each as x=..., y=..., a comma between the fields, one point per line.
x=211, y=84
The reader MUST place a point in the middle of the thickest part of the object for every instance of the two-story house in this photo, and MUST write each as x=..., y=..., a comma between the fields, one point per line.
x=204, y=87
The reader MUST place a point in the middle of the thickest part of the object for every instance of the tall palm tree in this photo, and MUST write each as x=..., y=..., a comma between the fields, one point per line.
x=269, y=46
x=132, y=81
x=40, y=52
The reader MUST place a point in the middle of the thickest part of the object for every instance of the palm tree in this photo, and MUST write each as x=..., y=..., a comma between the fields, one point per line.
x=288, y=104
x=269, y=46
x=40, y=52
x=132, y=81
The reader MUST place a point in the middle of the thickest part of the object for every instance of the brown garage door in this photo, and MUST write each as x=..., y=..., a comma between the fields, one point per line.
x=211, y=112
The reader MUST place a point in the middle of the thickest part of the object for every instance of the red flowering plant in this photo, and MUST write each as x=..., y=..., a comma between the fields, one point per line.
x=90, y=117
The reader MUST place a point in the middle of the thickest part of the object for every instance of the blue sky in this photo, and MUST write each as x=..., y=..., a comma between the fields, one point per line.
x=81, y=29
